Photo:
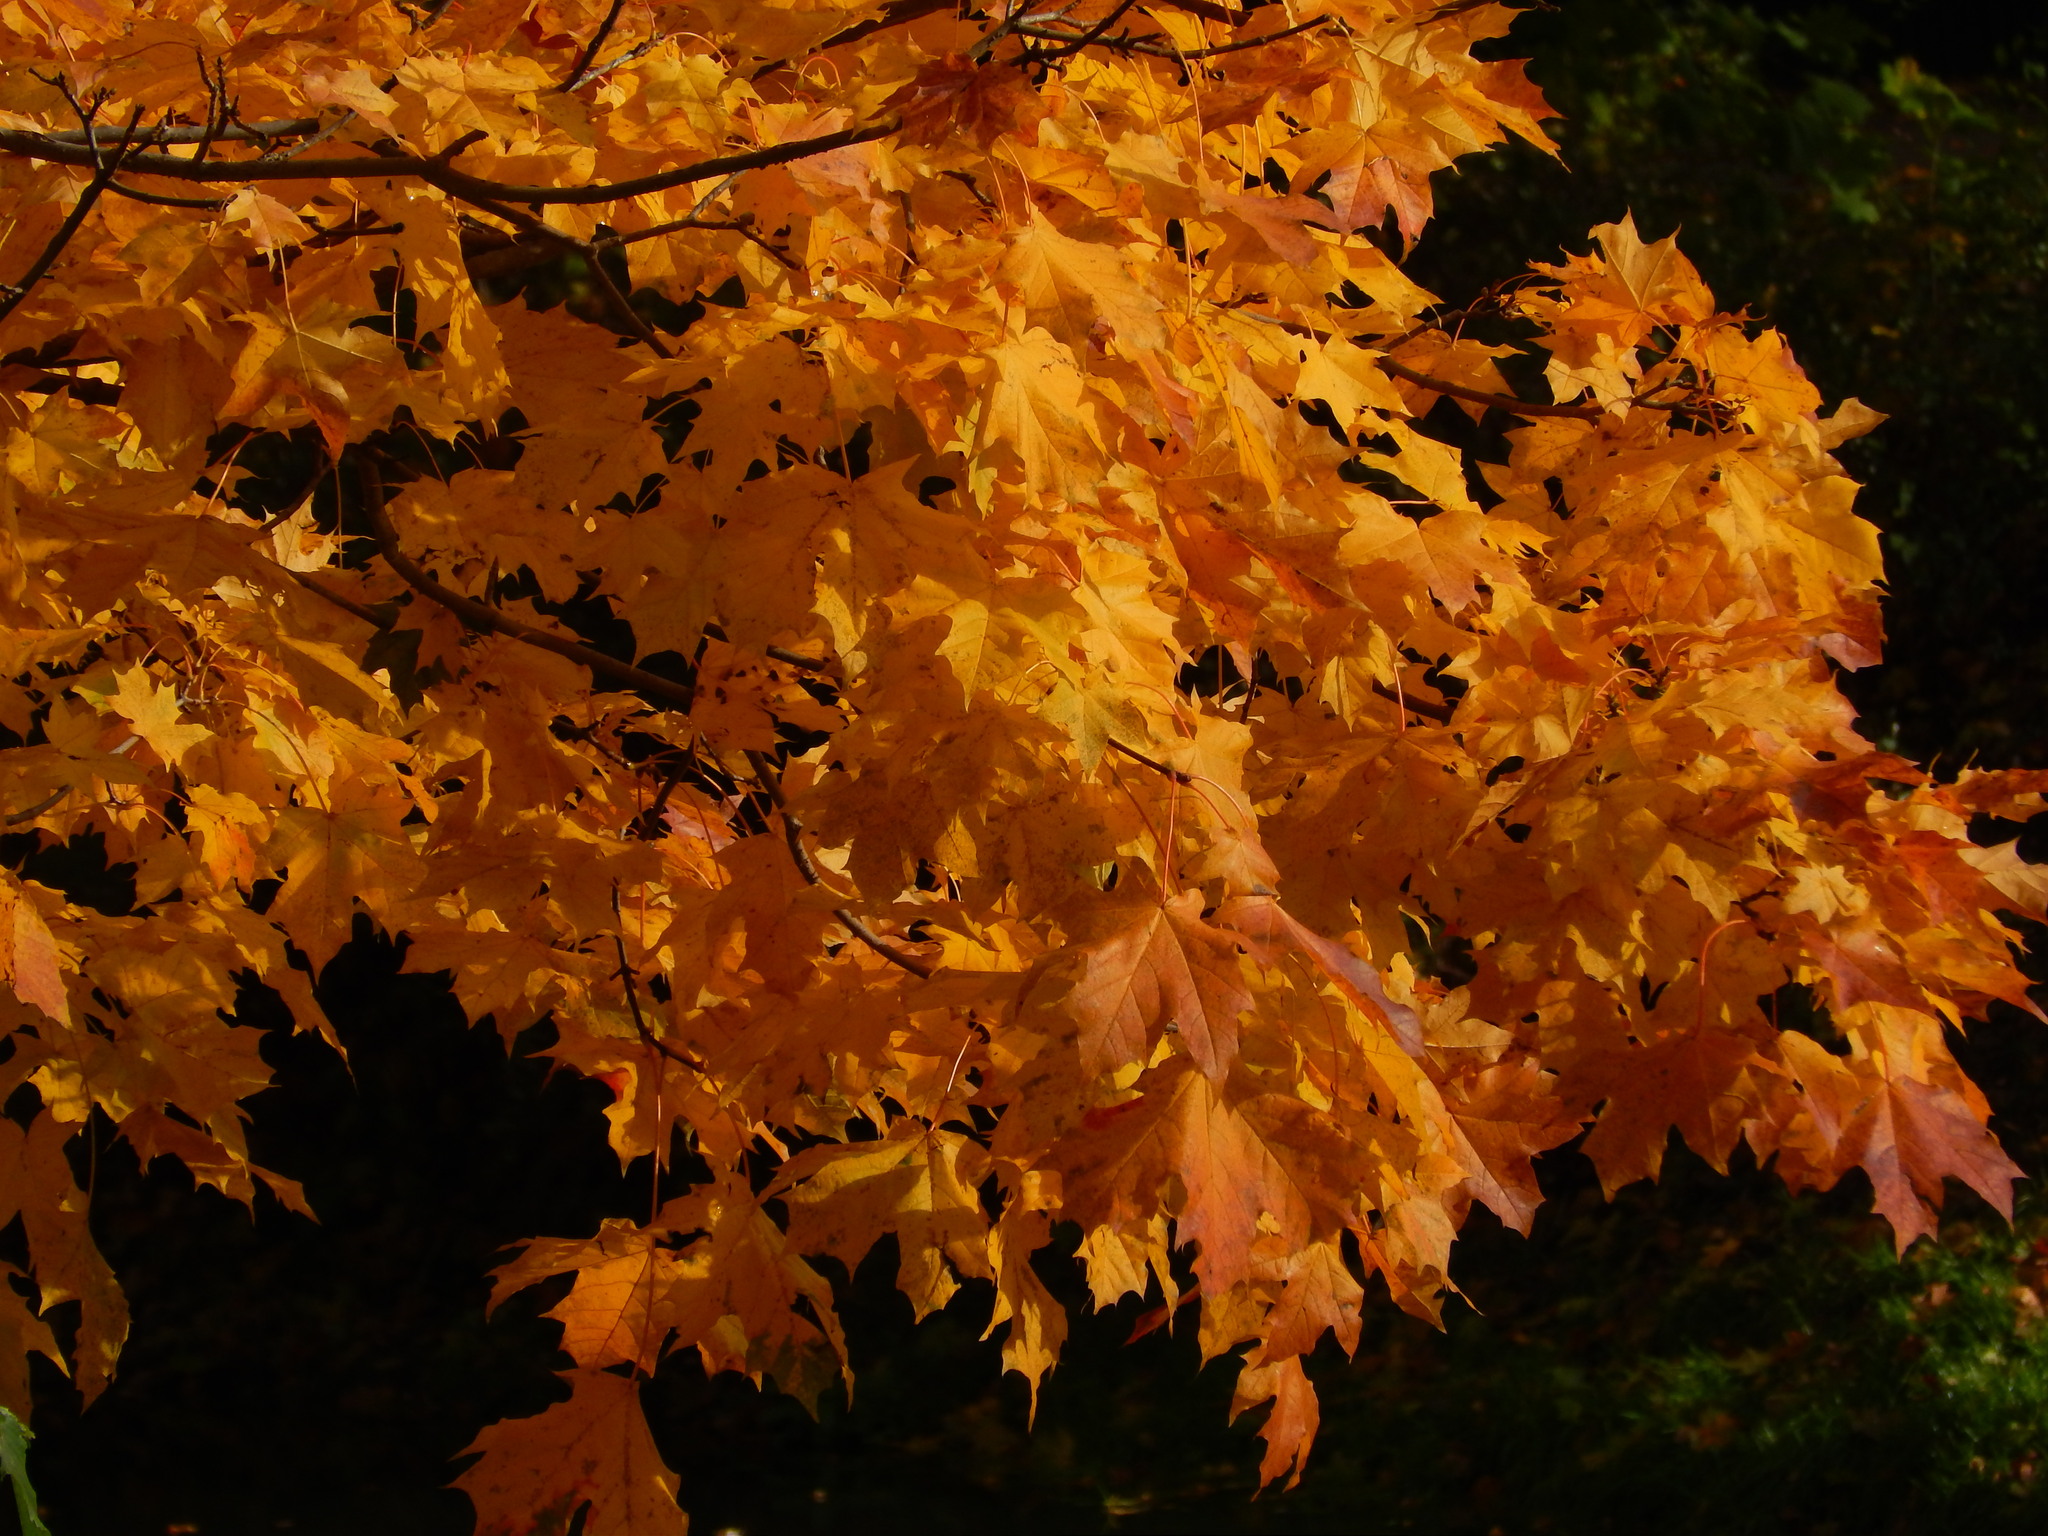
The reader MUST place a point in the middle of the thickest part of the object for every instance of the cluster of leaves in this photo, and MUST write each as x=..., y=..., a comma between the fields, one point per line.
x=1000, y=663
x=1771, y=1358
x=1900, y=212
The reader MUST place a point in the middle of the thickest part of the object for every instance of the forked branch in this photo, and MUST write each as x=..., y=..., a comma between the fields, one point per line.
x=104, y=169
x=488, y=620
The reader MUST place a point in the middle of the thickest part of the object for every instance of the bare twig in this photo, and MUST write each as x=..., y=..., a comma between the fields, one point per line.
x=519, y=218
x=165, y=199
x=291, y=152
x=349, y=605
x=893, y=15
x=195, y=133
x=1076, y=42
x=638, y=50
x=298, y=498
x=743, y=225
x=793, y=835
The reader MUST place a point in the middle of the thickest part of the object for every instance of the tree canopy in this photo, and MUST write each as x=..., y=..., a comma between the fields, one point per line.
x=990, y=660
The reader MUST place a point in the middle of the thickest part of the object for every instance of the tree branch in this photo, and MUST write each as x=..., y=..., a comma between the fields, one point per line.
x=197, y=133
x=31, y=812
x=393, y=162
x=1151, y=49
x=1075, y=42
x=893, y=15
x=488, y=620
x=1441, y=713
x=793, y=835
x=102, y=177
x=1481, y=397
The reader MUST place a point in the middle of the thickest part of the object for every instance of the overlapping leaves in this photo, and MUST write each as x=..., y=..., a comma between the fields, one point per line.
x=953, y=667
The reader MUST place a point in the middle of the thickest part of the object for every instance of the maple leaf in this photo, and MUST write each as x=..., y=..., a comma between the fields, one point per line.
x=28, y=952
x=961, y=615
x=591, y=1452
x=1162, y=971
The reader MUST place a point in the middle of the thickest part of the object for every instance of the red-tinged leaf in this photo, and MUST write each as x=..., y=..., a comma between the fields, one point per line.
x=1290, y=1429
x=1270, y=932
x=1863, y=967
x=1687, y=1078
x=592, y=1452
x=804, y=709
x=28, y=953
x=1163, y=970
x=1509, y=1114
x=1268, y=1168
x=1321, y=1295
x=1906, y=1134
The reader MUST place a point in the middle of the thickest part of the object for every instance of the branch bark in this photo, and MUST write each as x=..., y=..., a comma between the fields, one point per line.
x=393, y=162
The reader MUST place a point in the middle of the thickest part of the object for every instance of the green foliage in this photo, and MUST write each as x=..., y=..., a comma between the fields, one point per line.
x=14, y=1439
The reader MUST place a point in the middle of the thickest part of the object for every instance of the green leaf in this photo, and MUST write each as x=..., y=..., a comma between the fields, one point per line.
x=14, y=1439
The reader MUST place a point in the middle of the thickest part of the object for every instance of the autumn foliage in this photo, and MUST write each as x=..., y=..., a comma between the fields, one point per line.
x=996, y=663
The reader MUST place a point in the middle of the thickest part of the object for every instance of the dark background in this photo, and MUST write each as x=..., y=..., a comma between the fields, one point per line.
x=1705, y=1355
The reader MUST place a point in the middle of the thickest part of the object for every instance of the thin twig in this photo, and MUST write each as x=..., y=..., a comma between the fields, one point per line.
x=638, y=50
x=30, y=813
x=165, y=199
x=799, y=660
x=597, y=40
x=519, y=218
x=743, y=225
x=625, y=974
x=319, y=588
x=1481, y=397
x=793, y=836
x=194, y=133
x=292, y=152
x=1150, y=762
x=893, y=15
x=298, y=498
x=1146, y=46
x=1077, y=42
